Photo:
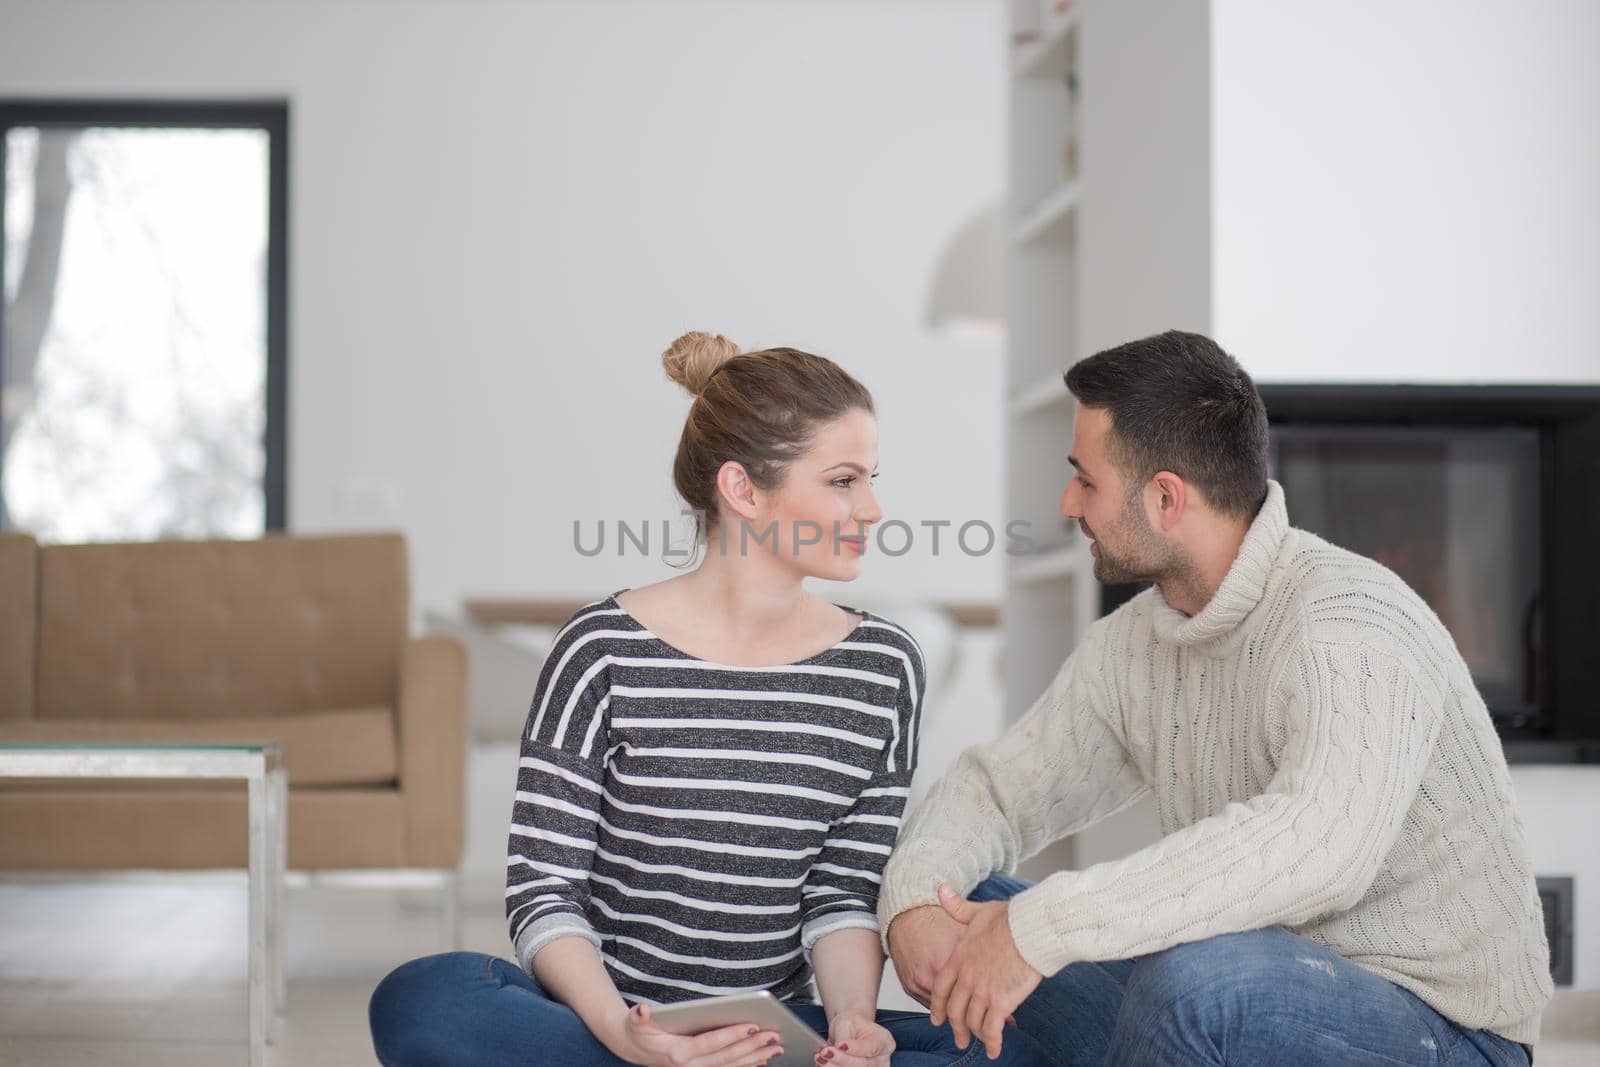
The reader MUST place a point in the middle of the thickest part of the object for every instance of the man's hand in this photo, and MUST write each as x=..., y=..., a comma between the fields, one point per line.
x=985, y=977
x=920, y=941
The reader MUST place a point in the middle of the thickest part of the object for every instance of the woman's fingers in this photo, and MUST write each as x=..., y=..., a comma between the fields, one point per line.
x=752, y=1059
x=854, y=1057
x=730, y=1045
x=640, y=1019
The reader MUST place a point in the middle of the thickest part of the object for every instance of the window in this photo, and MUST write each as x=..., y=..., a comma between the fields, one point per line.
x=142, y=326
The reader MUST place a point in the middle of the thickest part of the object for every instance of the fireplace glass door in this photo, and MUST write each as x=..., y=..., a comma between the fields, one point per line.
x=1455, y=512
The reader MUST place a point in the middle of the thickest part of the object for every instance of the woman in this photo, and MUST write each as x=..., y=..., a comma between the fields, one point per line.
x=713, y=771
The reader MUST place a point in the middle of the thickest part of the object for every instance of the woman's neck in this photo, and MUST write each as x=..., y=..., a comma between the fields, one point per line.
x=747, y=593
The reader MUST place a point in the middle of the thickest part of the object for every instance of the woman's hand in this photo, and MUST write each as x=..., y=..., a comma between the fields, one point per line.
x=642, y=1041
x=856, y=1040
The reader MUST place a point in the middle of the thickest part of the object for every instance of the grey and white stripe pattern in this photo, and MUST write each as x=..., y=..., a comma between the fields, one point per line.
x=701, y=824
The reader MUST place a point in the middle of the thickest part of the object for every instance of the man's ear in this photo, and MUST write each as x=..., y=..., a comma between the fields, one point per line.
x=737, y=490
x=1172, y=499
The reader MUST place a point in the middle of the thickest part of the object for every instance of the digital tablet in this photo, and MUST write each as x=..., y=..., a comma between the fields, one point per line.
x=800, y=1043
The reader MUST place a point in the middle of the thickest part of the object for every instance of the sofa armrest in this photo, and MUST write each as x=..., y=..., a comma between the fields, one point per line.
x=432, y=730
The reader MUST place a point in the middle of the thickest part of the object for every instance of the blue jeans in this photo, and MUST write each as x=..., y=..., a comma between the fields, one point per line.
x=466, y=1008
x=1262, y=997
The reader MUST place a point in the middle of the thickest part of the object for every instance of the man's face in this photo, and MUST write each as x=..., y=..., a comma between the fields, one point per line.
x=1110, y=513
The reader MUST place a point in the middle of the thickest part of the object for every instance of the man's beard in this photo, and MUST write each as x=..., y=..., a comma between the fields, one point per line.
x=1146, y=557
x=1109, y=570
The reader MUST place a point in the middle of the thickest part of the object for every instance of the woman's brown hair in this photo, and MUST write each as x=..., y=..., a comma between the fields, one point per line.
x=759, y=409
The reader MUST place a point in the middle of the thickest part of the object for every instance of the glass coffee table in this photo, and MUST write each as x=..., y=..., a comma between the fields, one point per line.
x=260, y=767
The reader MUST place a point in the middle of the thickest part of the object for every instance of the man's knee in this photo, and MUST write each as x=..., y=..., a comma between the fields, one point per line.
x=1227, y=971
x=998, y=887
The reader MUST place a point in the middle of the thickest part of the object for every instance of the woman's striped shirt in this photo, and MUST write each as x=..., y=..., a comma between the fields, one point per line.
x=702, y=824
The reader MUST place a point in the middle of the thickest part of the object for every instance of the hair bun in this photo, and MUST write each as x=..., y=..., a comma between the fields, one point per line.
x=692, y=358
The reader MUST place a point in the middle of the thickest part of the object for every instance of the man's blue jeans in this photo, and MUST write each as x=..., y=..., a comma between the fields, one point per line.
x=1264, y=997
x=467, y=1009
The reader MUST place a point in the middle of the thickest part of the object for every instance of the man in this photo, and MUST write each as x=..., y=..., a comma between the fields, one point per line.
x=1342, y=878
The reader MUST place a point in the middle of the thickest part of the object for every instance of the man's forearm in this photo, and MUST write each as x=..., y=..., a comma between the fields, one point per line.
x=949, y=838
x=1059, y=768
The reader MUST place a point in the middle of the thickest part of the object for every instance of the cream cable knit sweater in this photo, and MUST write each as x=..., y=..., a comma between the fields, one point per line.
x=1321, y=761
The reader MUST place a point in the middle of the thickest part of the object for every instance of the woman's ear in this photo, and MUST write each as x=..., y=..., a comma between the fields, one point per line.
x=739, y=493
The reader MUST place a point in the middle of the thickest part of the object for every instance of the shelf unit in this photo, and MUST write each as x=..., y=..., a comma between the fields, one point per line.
x=1056, y=563
x=1048, y=392
x=1109, y=187
x=1051, y=593
x=1049, y=54
x=1050, y=218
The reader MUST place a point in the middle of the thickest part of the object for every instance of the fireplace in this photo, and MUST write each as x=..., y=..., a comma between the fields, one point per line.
x=1452, y=510
x=1486, y=500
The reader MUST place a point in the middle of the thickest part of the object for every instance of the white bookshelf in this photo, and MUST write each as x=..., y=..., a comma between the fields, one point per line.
x=1048, y=392
x=1050, y=52
x=1050, y=219
x=1051, y=591
x=1109, y=189
x=1051, y=594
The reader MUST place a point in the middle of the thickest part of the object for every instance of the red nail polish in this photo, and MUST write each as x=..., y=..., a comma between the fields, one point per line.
x=772, y=1041
x=753, y=1032
x=843, y=1047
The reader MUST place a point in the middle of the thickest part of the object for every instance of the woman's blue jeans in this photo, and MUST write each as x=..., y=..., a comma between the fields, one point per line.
x=466, y=1009
x=1261, y=997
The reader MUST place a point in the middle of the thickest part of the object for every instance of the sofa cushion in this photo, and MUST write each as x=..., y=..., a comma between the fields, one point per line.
x=19, y=607
x=220, y=629
x=322, y=748
x=172, y=827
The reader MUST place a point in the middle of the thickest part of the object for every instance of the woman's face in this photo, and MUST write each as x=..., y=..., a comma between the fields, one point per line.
x=819, y=520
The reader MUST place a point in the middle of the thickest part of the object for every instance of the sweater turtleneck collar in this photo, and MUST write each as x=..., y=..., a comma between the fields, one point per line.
x=1241, y=588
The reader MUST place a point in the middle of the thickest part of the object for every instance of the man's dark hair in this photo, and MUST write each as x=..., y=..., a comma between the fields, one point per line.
x=1179, y=403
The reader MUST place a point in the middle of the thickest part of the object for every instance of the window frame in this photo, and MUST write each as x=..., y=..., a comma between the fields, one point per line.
x=270, y=116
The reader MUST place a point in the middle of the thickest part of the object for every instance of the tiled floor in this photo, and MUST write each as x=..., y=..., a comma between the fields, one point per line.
x=153, y=973
x=109, y=975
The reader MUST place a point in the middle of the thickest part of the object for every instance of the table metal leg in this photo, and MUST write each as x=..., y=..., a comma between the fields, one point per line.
x=259, y=858
x=266, y=784
x=280, y=916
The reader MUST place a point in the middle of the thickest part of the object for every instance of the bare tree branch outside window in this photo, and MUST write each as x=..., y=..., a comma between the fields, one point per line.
x=143, y=376
x=28, y=311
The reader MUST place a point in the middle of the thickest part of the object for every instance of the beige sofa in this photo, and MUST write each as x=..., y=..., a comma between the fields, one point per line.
x=300, y=640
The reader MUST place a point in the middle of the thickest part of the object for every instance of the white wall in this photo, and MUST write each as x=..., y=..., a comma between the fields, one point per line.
x=1411, y=192
x=1146, y=226
x=1558, y=807
x=501, y=213
x=1407, y=191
